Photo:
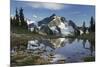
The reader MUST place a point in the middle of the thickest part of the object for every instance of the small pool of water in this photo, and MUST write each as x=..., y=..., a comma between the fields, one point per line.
x=65, y=50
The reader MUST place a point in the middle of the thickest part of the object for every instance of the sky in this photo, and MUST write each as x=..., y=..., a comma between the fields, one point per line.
x=36, y=11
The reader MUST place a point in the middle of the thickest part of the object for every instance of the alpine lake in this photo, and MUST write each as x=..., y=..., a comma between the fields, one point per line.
x=39, y=50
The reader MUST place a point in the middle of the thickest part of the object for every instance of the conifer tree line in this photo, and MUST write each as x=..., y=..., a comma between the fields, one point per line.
x=19, y=19
x=91, y=28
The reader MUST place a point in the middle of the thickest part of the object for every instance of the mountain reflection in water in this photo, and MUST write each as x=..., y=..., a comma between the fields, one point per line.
x=65, y=49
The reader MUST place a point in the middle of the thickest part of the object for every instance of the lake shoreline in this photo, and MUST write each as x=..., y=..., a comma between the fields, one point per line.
x=90, y=36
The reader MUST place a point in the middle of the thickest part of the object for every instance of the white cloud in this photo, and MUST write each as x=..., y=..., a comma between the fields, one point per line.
x=37, y=17
x=34, y=16
x=51, y=6
x=47, y=5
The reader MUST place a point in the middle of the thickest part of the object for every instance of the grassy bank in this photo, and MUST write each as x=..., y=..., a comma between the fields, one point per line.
x=90, y=36
x=23, y=58
x=89, y=59
x=26, y=34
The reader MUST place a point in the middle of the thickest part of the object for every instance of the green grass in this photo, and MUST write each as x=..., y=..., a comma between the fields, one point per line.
x=26, y=32
x=27, y=59
x=90, y=36
x=89, y=59
x=19, y=30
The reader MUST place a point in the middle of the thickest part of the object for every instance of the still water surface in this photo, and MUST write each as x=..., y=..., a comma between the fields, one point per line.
x=60, y=49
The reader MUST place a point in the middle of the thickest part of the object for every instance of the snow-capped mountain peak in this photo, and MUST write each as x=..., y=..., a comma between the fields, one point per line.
x=55, y=25
x=58, y=25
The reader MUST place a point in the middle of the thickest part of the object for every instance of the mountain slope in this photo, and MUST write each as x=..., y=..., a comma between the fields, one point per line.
x=58, y=25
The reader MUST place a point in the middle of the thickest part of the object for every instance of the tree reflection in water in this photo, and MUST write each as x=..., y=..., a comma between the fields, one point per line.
x=91, y=47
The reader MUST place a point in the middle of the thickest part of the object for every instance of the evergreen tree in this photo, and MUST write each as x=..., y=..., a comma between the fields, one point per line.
x=11, y=21
x=92, y=25
x=16, y=18
x=23, y=23
x=84, y=27
x=21, y=16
